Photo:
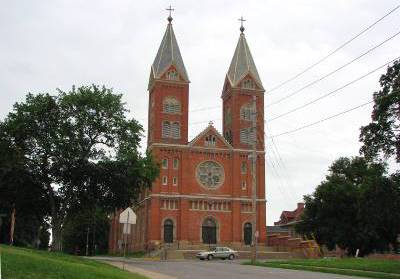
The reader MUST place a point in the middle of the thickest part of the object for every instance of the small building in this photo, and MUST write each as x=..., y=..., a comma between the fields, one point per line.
x=289, y=219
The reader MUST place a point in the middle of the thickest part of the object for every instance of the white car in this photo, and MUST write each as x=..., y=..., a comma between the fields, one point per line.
x=218, y=252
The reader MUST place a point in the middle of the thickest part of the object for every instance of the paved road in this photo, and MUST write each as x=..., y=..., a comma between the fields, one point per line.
x=193, y=269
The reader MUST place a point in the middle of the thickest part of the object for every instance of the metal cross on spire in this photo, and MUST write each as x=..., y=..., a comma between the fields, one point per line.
x=241, y=19
x=170, y=9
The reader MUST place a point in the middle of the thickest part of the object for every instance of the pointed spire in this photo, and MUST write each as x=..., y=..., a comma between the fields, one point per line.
x=168, y=54
x=242, y=62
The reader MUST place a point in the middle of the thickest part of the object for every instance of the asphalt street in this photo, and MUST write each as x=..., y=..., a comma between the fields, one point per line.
x=196, y=269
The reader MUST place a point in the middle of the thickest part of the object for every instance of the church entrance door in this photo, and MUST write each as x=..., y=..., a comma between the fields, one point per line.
x=247, y=231
x=209, y=231
x=168, y=231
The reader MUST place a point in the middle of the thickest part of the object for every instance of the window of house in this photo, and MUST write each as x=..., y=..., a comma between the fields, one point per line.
x=246, y=112
x=244, y=185
x=244, y=167
x=166, y=129
x=172, y=75
x=175, y=181
x=171, y=105
x=176, y=163
x=246, y=136
x=164, y=180
x=210, y=140
x=248, y=84
x=175, y=130
x=165, y=163
x=228, y=136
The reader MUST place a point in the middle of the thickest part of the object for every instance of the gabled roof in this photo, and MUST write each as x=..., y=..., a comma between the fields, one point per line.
x=168, y=54
x=242, y=64
x=210, y=128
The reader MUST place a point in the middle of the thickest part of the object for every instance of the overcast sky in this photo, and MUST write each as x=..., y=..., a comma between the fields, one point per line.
x=51, y=44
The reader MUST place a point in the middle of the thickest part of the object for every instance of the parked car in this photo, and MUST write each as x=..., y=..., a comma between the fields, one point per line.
x=219, y=253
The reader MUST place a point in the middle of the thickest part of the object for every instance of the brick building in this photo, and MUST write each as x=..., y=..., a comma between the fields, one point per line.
x=203, y=194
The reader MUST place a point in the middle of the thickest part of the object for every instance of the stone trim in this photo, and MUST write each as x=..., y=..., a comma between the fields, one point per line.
x=203, y=197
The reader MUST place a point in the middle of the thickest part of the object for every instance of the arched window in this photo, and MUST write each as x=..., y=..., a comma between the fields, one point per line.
x=246, y=136
x=171, y=105
x=175, y=130
x=168, y=231
x=244, y=167
x=246, y=112
x=166, y=129
x=248, y=84
x=247, y=233
x=228, y=136
x=165, y=163
x=172, y=75
x=176, y=163
x=210, y=140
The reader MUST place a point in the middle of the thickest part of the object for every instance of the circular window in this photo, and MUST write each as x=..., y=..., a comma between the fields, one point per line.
x=210, y=174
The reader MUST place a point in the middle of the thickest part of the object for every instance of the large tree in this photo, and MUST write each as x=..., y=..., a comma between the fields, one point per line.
x=74, y=143
x=357, y=206
x=381, y=138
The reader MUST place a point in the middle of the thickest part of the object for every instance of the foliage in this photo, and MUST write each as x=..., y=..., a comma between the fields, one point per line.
x=81, y=149
x=20, y=263
x=82, y=227
x=20, y=191
x=382, y=135
x=356, y=207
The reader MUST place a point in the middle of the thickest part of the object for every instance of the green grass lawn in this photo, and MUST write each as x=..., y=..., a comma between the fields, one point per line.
x=384, y=269
x=19, y=263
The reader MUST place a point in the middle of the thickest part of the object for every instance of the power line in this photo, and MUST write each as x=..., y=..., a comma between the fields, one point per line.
x=332, y=52
x=332, y=92
x=321, y=120
x=334, y=71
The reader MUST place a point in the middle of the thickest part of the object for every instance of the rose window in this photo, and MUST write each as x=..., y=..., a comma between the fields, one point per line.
x=210, y=174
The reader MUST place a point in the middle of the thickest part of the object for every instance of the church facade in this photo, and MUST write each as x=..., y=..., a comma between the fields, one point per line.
x=204, y=192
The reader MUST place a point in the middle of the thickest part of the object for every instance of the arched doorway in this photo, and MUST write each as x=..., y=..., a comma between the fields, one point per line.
x=209, y=231
x=168, y=231
x=247, y=233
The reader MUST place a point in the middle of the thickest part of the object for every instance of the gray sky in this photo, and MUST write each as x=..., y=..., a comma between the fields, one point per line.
x=51, y=44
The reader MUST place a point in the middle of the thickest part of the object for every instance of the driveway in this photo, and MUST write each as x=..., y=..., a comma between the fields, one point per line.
x=196, y=269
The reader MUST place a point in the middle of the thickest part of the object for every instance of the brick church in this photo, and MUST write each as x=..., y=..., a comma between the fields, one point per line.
x=204, y=192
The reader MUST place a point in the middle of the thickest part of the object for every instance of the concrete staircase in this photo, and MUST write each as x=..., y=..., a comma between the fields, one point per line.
x=295, y=245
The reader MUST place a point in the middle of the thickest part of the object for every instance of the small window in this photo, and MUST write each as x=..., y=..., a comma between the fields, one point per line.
x=246, y=135
x=165, y=163
x=175, y=181
x=210, y=140
x=171, y=105
x=244, y=185
x=175, y=130
x=164, y=180
x=248, y=84
x=166, y=129
x=244, y=168
x=172, y=75
x=176, y=163
x=246, y=112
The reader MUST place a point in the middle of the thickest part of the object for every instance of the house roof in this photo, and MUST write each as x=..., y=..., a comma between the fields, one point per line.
x=211, y=128
x=168, y=54
x=242, y=64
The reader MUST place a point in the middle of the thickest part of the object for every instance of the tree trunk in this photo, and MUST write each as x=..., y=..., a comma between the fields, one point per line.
x=12, y=227
x=55, y=221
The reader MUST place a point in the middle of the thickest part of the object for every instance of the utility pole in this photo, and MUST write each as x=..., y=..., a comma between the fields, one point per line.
x=254, y=180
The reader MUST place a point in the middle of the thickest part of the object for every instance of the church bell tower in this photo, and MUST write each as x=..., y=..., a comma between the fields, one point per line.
x=242, y=83
x=168, y=93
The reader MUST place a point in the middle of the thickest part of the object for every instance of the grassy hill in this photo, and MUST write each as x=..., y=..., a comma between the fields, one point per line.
x=19, y=263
